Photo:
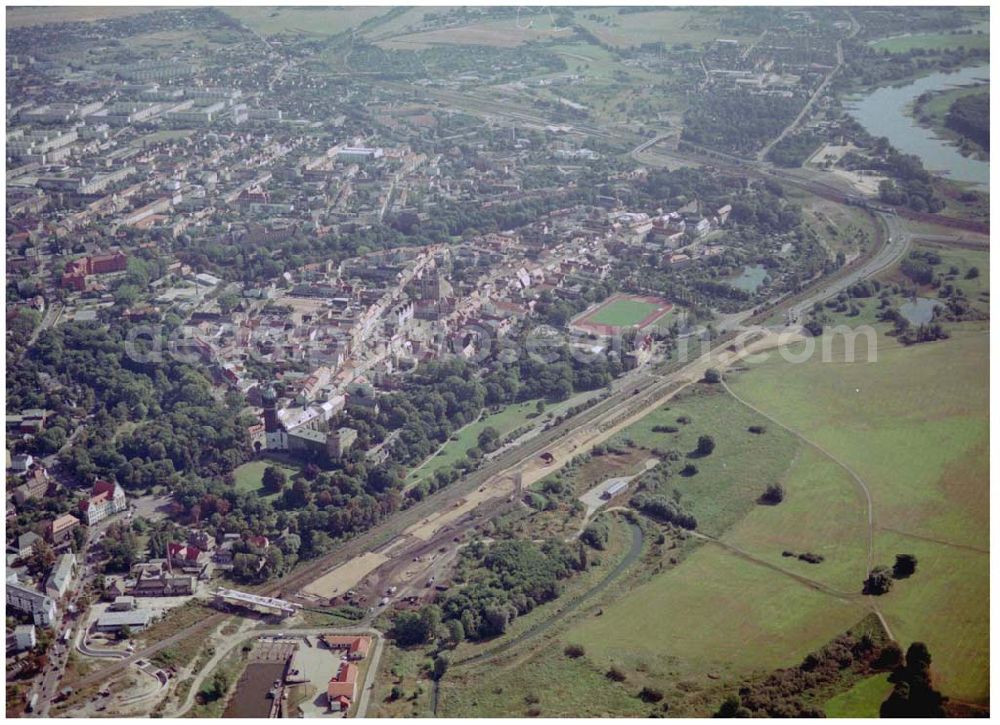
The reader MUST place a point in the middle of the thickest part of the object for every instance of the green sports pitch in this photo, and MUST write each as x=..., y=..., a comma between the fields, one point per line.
x=623, y=311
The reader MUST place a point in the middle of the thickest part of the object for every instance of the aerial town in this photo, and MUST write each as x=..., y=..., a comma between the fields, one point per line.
x=497, y=362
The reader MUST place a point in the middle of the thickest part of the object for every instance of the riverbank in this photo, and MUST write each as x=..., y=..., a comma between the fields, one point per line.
x=930, y=111
x=885, y=111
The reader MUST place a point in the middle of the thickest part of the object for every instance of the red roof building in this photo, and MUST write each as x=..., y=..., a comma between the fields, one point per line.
x=356, y=648
x=343, y=685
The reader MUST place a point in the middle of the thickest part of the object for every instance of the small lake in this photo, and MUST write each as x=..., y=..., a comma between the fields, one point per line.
x=750, y=280
x=883, y=112
x=919, y=311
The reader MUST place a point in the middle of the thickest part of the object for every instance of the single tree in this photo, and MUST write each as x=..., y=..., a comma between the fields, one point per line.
x=906, y=565
x=706, y=444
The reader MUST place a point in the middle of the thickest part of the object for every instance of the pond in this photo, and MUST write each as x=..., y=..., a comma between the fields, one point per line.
x=919, y=311
x=750, y=280
x=883, y=112
x=251, y=696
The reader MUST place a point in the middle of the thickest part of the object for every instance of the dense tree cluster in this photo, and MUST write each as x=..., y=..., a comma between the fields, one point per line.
x=785, y=693
x=738, y=122
x=793, y=150
x=970, y=116
x=507, y=579
x=913, y=694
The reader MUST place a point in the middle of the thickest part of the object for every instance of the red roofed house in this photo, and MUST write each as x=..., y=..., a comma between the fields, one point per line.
x=106, y=499
x=356, y=648
x=76, y=272
x=340, y=689
x=186, y=557
x=260, y=542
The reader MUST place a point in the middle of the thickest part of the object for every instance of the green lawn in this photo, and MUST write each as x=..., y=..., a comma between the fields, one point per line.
x=623, y=313
x=507, y=420
x=250, y=476
x=931, y=41
x=862, y=700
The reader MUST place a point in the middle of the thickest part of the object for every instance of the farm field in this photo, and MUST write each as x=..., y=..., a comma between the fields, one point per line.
x=932, y=41
x=23, y=16
x=250, y=476
x=669, y=26
x=303, y=20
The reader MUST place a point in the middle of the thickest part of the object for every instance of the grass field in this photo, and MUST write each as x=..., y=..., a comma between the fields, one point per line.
x=714, y=618
x=670, y=26
x=620, y=311
x=623, y=313
x=914, y=426
x=23, y=16
x=316, y=20
x=250, y=476
x=507, y=420
x=862, y=700
x=931, y=41
x=497, y=33
x=730, y=480
x=536, y=678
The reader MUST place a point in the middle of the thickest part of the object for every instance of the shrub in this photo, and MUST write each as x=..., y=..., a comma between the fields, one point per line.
x=757, y=429
x=879, y=581
x=574, y=650
x=650, y=694
x=712, y=375
x=906, y=565
x=706, y=444
x=773, y=494
x=615, y=675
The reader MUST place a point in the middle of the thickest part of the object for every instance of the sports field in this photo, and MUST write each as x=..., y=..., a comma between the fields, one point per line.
x=621, y=311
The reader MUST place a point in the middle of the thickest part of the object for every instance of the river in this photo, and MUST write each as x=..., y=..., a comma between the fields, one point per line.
x=883, y=112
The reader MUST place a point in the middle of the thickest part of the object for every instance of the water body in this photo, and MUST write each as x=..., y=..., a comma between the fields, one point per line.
x=883, y=112
x=750, y=280
x=250, y=698
x=919, y=311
